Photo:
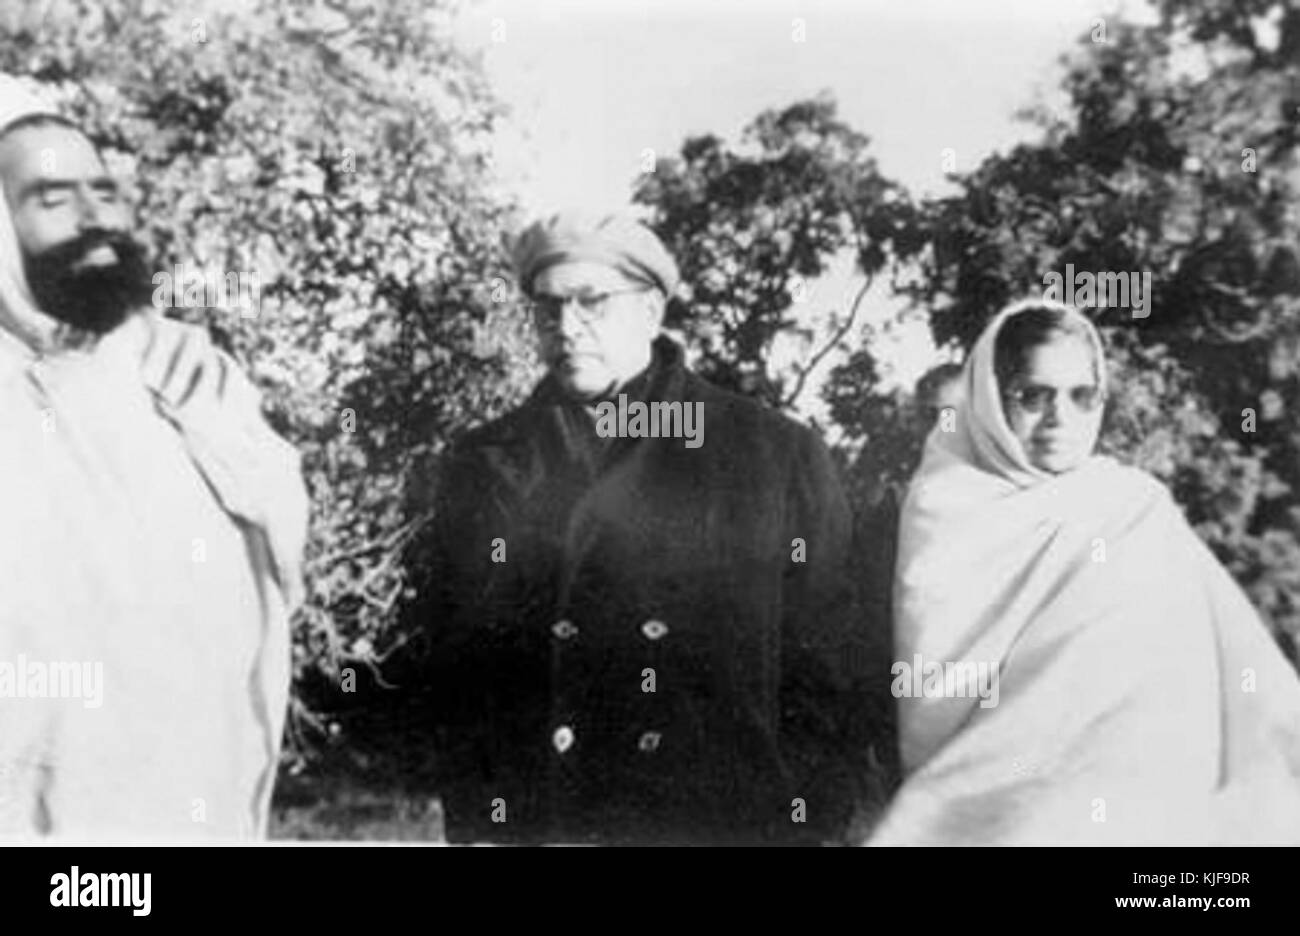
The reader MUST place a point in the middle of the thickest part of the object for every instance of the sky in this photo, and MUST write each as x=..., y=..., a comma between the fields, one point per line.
x=591, y=86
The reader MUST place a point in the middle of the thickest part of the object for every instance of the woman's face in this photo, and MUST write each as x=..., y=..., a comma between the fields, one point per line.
x=1054, y=406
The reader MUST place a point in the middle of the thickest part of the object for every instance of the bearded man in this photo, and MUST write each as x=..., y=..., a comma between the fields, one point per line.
x=639, y=627
x=151, y=528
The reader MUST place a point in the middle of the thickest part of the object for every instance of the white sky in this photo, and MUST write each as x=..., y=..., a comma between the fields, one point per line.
x=592, y=85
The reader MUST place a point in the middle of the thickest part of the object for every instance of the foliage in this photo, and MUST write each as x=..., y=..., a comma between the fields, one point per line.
x=750, y=225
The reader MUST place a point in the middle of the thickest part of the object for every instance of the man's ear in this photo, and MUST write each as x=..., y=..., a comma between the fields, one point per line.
x=655, y=307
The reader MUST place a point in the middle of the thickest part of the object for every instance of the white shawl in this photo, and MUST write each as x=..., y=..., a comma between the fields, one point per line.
x=157, y=534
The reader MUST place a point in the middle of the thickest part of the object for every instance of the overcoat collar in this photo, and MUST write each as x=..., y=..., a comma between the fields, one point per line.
x=564, y=430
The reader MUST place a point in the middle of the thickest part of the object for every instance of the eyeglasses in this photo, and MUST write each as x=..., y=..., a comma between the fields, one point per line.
x=1035, y=398
x=592, y=307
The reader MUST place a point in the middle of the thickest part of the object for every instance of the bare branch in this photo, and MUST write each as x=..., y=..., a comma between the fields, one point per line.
x=826, y=349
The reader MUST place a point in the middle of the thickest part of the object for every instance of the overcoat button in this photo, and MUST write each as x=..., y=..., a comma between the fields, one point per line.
x=563, y=738
x=564, y=629
x=649, y=741
x=654, y=629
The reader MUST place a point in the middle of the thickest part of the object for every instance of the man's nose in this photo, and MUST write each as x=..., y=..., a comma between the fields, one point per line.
x=93, y=214
x=571, y=323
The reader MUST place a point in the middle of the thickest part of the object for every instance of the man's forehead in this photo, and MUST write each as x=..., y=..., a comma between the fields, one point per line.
x=579, y=274
x=52, y=150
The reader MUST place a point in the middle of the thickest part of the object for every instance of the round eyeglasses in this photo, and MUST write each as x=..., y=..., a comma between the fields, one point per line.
x=591, y=306
x=1035, y=398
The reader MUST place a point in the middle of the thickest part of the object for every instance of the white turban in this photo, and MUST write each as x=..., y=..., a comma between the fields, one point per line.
x=19, y=100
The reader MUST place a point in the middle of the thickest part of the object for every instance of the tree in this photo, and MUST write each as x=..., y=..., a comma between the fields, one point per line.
x=752, y=225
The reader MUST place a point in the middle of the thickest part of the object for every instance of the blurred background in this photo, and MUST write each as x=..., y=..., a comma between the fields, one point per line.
x=851, y=190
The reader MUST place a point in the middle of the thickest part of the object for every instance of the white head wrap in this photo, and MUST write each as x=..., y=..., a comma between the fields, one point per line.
x=983, y=437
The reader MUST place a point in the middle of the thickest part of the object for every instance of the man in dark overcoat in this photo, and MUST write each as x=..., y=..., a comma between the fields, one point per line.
x=637, y=637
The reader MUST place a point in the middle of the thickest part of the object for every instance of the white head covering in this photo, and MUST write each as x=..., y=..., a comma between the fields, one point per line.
x=19, y=316
x=982, y=437
x=19, y=99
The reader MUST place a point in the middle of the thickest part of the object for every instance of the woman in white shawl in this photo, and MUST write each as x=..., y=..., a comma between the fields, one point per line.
x=1136, y=696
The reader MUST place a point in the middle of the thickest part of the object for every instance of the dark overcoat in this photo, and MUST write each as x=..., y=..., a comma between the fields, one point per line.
x=633, y=640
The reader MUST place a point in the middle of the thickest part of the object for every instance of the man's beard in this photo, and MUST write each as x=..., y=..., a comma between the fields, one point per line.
x=95, y=299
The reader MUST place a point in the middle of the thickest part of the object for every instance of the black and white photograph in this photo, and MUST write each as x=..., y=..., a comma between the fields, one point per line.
x=623, y=423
